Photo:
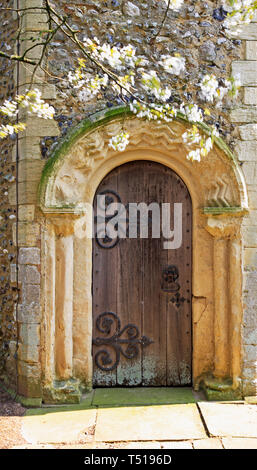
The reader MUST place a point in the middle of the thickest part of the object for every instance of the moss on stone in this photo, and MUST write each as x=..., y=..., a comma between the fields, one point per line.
x=224, y=211
x=62, y=392
x=220, y=389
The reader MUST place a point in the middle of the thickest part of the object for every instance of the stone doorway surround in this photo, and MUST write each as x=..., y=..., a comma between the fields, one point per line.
x=219, y=199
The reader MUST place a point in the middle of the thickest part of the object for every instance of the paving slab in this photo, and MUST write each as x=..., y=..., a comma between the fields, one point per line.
x=211, y=443
x=142, y=396
x=177, y=445
x=149, y=423
x=65, y=426
x=34, y=446
x=142, y=445
x=230, y=419
x=239, y=443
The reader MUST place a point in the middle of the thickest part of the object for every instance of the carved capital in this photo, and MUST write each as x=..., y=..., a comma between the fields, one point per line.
x=64, y=225
x=227, y=228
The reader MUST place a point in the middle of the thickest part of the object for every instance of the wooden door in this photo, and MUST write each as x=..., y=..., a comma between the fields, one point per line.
x=142, y=291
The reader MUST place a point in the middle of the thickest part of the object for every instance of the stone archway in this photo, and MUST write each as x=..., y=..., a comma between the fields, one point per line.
x=219, y=201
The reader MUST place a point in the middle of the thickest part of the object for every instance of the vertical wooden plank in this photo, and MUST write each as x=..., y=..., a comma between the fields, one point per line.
x=130, y=281
x=179, y=303
x=105, y=274
x=154, y=316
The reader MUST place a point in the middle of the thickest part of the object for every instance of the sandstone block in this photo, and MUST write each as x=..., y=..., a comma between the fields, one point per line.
x=247, y=114
x=29, y=255
x=30, y=294
x=250, y=236
x=27, y=193
x=247, y=70
x=29, y=379
x=29, y=148
x=48, y=91
x=34, y=21
x=246, y=151
x=248, y=32
x=250, y=95
x=29, y=336
x=250, y=259
x=30, y=170
x=250, y=218
x=26, y=213
x=251, y=50
x=28, y=313
x=252, y=196
x=248, y=132
x=29, y=274
x=25, y=75
x=38, y=127
x=28, y=233
x=28, y=353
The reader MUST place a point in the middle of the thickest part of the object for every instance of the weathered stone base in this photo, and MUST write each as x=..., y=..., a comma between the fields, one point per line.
x=220, y=389
x=63, y=391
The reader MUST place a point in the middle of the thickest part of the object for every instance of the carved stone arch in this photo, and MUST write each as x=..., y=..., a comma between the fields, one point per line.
x=219, y=199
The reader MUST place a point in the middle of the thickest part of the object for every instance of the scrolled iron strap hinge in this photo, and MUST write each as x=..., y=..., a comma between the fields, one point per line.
x=110, y=197
x=104, y=323
x=107, y=242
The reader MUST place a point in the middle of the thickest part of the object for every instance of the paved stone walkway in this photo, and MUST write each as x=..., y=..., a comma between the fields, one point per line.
x=143, y=419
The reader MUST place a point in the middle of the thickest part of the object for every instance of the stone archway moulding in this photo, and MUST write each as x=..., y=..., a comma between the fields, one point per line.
x=219, y=200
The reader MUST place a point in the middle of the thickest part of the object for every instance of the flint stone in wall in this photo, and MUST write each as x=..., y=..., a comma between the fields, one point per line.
x=208, y=51
x=130, y=9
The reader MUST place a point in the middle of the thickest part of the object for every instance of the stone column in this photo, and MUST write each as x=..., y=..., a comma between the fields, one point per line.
x=64, y=299
x=48, y=302
x=227, y=272
x=235, y=288
x=82, y=310
x=220, y=272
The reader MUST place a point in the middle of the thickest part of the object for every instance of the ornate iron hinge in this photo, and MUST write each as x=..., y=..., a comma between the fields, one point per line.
x=105, y=241
x=105, y=323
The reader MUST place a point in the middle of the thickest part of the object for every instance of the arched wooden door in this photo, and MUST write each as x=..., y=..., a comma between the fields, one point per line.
x=142, y=291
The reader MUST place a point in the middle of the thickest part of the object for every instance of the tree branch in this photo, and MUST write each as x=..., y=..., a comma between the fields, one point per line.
x=18, y=58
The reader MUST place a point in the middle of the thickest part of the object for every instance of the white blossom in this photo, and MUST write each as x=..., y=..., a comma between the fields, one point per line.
x=35, y=105
x=9, y=108
x=192, y=112
x=91, y=87
x=117, y=58
x=240, y=12
x=174, y=65
x=194, y=155
x=152, y=84
x=211, y=90
x=119, y=142
x=175, y=4
x=10, y=129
